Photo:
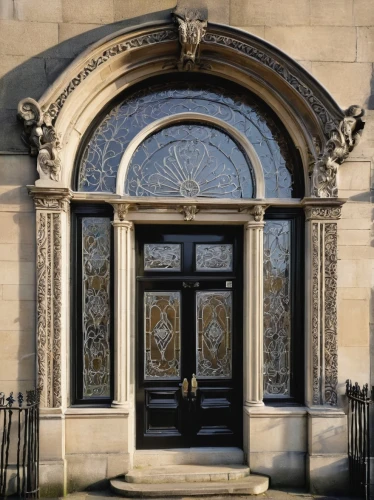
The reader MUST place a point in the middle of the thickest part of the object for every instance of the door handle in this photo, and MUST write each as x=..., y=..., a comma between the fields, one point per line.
x=194, y=386
x=184, y=389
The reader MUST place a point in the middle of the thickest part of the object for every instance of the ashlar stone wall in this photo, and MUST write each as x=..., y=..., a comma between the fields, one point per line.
x=334, y=40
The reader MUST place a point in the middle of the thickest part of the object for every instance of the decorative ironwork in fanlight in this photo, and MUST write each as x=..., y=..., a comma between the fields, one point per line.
x=214, y=334
x=162, y=335
x=214, y=257
x=277, y=308
x=162, y=257
x=242, y=110
x=189, y=161
x=96, y=306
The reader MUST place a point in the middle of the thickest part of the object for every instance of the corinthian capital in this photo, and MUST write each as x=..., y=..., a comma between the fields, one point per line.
x=342, y=141
x=41, y=137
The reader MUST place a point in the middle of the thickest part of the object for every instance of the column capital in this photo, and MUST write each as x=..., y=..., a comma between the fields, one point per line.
x=121, y=210
x=318, y=209
x=50, y=199
x=256, y=213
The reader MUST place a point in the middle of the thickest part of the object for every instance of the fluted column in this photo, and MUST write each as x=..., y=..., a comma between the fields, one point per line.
x=253, y=308
x=122, y=306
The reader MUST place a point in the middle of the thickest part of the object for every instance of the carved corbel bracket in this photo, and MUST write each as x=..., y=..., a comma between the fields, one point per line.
x=192, y=25
x=342, y=141
x=42, y=139
x=189, y=212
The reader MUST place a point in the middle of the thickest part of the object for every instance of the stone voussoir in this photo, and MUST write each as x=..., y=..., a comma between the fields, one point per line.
x=187, y=473
x=250, y=485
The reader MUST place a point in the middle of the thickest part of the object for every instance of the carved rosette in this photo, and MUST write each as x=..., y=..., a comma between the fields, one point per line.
x=192, y=25
x=342, y=141
x=51, y=214
x=41, y=137
x=322, y=227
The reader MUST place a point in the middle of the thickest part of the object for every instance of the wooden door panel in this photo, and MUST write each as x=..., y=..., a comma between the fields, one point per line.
x=208, y=322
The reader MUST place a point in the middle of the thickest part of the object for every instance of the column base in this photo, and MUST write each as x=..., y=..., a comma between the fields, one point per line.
x=254, y=403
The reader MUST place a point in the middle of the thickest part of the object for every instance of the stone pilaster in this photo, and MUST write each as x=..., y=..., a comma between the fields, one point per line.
x=122, y=305
x=321, y=302
x=253, y=308
x=52, y=218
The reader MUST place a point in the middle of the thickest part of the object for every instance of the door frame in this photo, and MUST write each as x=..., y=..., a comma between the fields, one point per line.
x=250, y=217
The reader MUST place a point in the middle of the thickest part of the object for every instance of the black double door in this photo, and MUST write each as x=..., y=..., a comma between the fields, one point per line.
x=189, y=336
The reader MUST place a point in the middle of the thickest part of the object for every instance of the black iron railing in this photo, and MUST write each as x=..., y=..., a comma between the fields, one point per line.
x=360, y=409
x=19, y=445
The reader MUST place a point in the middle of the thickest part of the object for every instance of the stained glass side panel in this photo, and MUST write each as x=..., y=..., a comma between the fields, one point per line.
x=277, y=312
x=96, y=306
x=162, y=257
x=213, y=257
x=162, y=335
x=214, y=334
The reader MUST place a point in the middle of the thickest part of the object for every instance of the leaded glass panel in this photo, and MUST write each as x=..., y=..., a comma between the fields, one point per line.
x=162, y=257
x=277, y=312
x=189, y=160
x=214, y=257
x=96, y=306
x=162, y=335
x=244, y=111
x=214, y=334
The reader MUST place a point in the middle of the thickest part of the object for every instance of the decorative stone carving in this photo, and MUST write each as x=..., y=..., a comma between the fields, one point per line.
x=189, y=212
x=164, y=35
x=323, y=213
x=42, y=138
x=342, y=141
x=323, y=309
x=50, y=214
x=258, y=213
x=324, y=117
x=121, y=210
x=192, y=25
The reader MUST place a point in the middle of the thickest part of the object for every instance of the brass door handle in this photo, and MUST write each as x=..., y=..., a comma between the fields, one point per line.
x=184, y=388
x=194, y=386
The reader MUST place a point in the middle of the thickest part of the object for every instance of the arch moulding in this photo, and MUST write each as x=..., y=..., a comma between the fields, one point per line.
x=324, y=134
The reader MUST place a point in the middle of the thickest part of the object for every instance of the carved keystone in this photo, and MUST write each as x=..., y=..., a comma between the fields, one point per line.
x=192, y=25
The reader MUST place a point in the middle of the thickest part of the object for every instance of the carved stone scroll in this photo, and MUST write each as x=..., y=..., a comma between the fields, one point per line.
x=192, y=25
x=322, y=308
x=337, y=148
x=41, y=136
x=50, y=218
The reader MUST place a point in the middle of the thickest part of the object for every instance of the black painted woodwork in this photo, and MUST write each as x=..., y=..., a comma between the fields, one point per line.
x=164, y=419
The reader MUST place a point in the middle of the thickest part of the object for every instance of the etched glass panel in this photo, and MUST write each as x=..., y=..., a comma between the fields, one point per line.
x=244, y=111
x=189, y=161
x=213, y=257
x=162, y=335
x=214, y=334
x=96, y=306
x=277, y=313
x=162, y=257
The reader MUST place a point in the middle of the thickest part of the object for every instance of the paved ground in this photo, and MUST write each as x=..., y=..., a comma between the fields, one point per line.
x=270, y=494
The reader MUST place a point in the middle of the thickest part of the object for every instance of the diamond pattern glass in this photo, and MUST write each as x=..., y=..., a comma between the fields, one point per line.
x=96, y=306
x=277, y=313
x=214, y=334
x=162, y=335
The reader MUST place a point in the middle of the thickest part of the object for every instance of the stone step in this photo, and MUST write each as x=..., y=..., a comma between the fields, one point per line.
x=188, y=456
x=250, y=485
x=187, y=473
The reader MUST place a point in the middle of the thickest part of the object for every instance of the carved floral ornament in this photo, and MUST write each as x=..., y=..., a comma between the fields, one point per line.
x=342, y=137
